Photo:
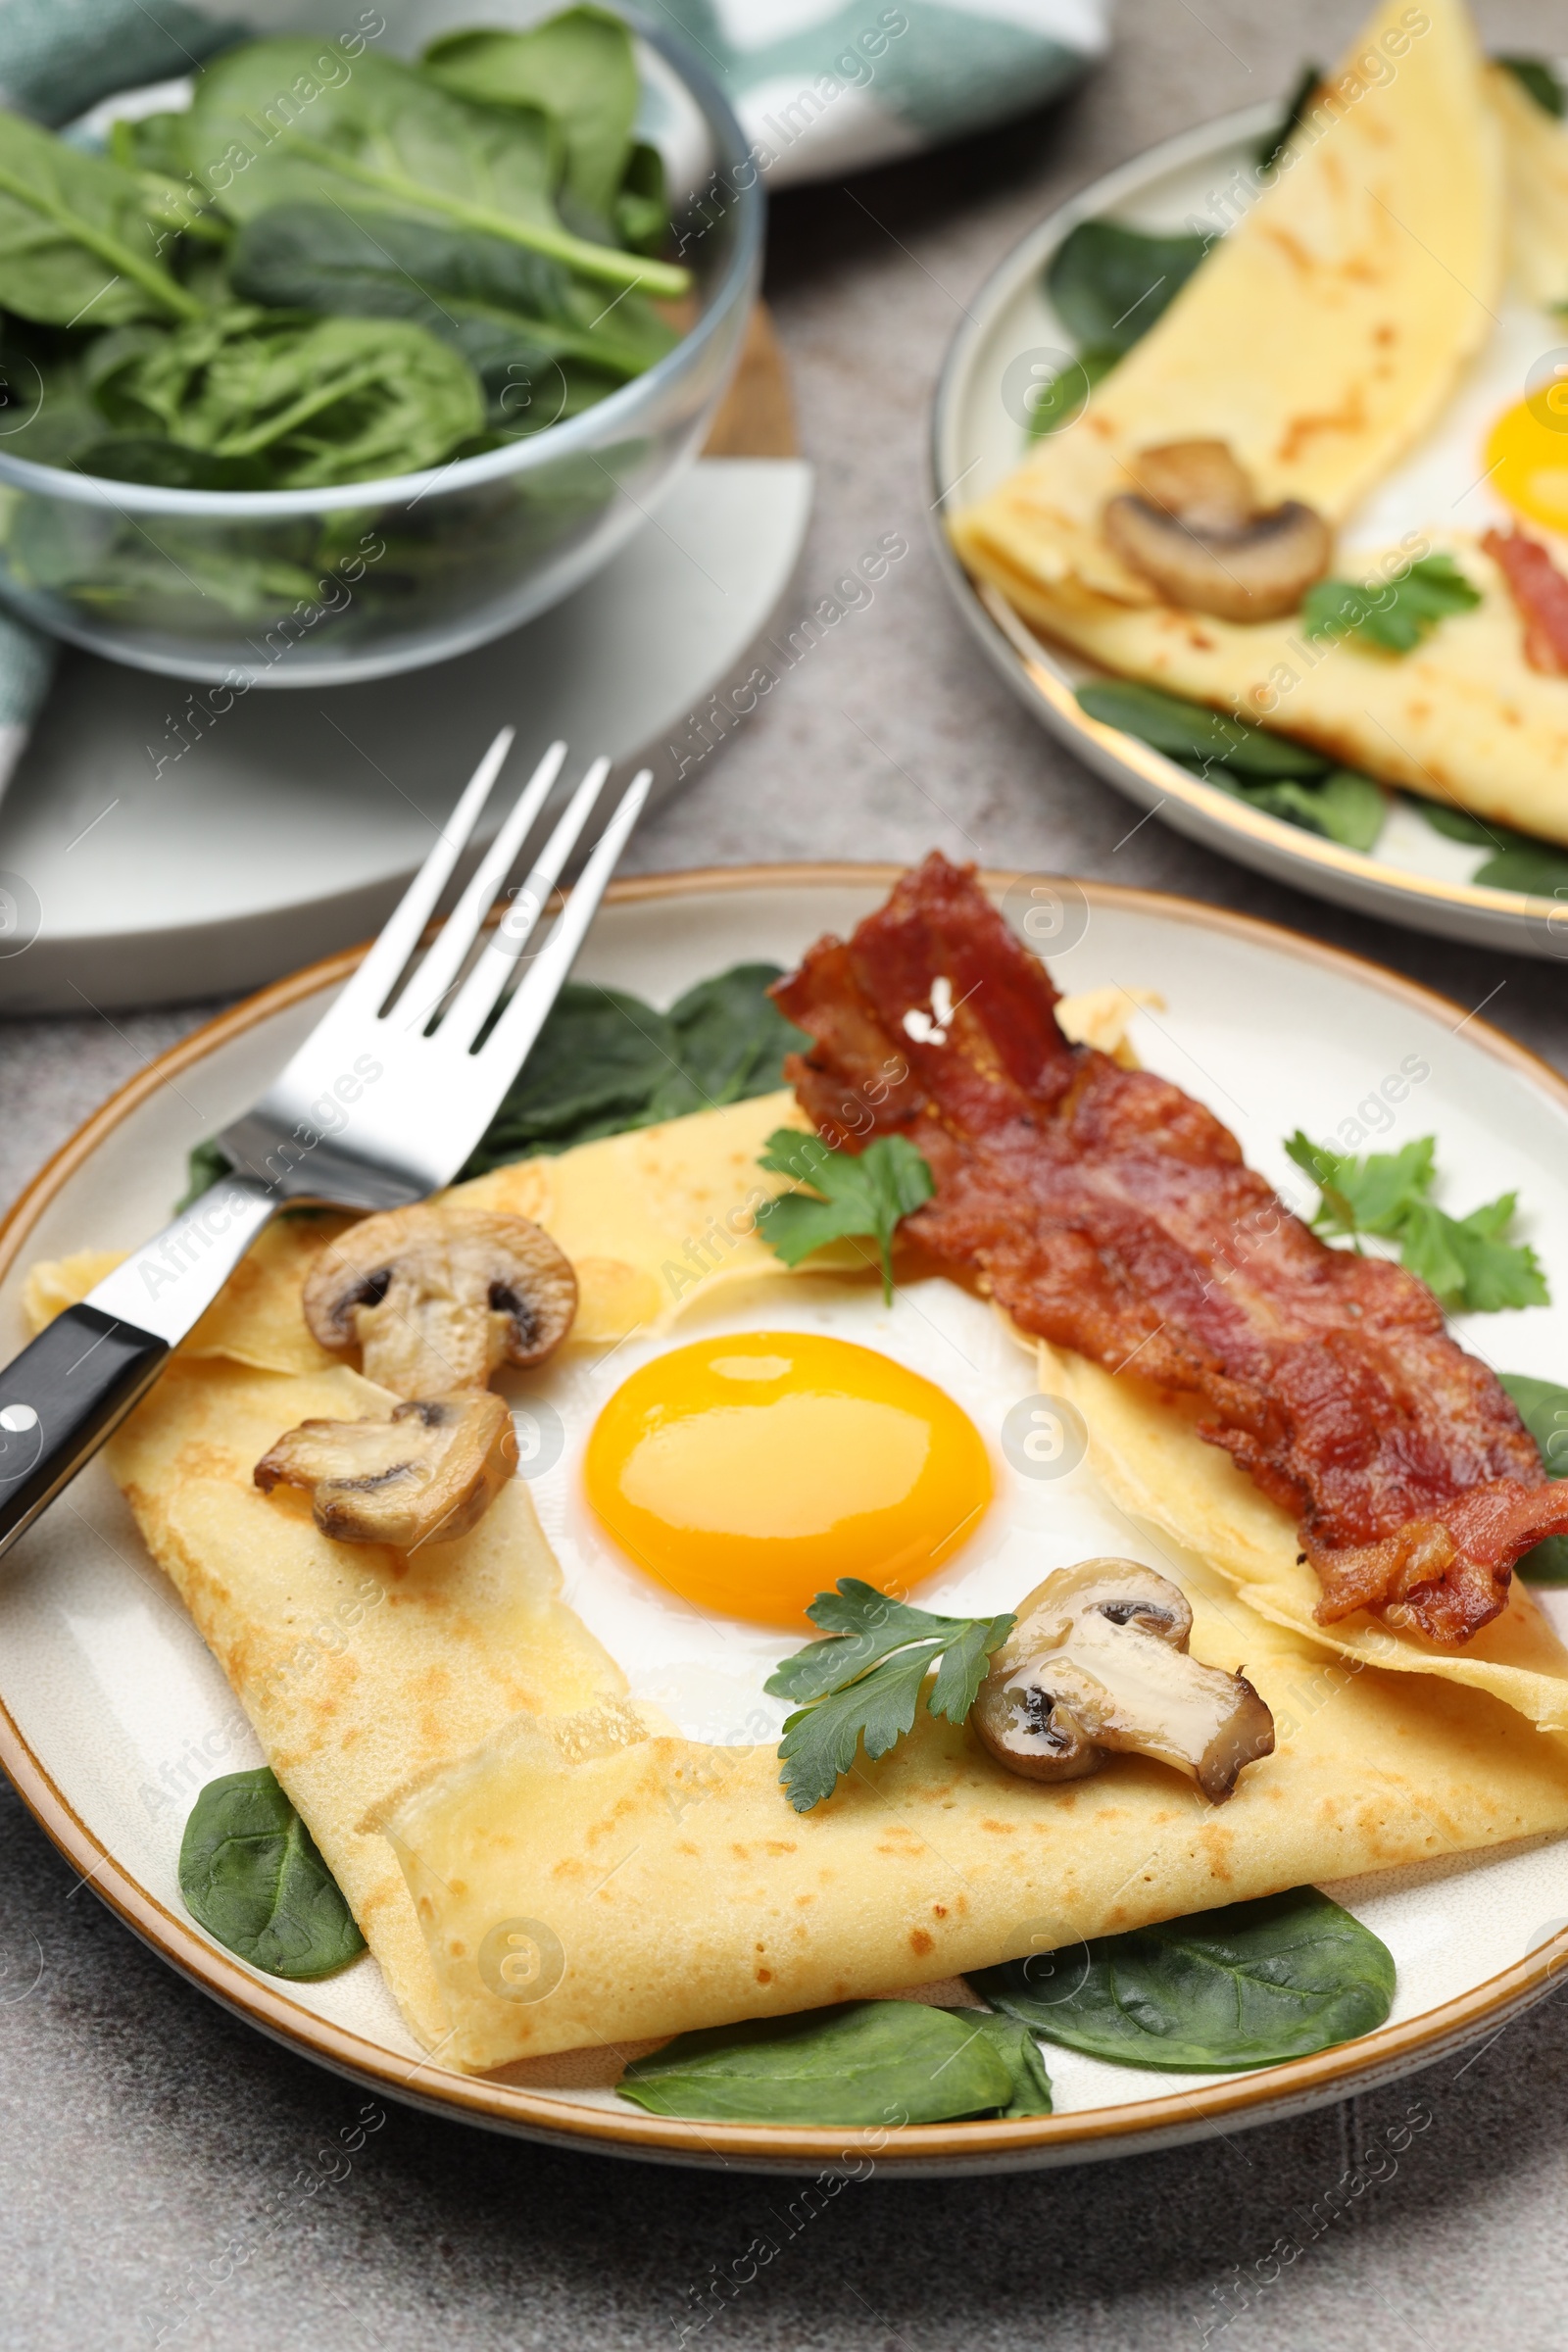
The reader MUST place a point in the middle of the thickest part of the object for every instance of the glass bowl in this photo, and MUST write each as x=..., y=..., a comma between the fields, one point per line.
x=243, y=589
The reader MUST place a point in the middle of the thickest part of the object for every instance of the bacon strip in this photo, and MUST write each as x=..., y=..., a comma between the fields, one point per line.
x=1539, y=592
x=1112, y=1214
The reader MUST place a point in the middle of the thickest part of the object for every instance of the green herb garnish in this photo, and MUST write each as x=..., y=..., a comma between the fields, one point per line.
x=866, y=2062
x=1468, y=1263
x=1543, y=1407
x=1108, y=284
x=1270, y=772
x=1518, y=860
x=1252, y=1984
x=863, y=1681
x=1393, y=616
x=251, y=1875
x=856, y=1193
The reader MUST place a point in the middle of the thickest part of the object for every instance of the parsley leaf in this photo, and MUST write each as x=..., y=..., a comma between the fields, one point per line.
x=1395, y=615
x=1468, y=1263
x=864, y=1193
x=863, y=1681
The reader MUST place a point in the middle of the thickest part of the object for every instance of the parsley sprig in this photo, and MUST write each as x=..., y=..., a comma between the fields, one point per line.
x=1469, y=1262
x=863, y=1681
x=1394, y=615
x=865, y=1193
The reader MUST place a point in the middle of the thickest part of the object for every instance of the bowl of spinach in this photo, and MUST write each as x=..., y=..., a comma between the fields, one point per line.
x=354, y=350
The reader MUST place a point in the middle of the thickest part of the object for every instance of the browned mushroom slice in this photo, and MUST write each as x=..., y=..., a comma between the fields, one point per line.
x=425, y=1476
x=437, y=1296
x=1194, y=529
x=1098, y=1661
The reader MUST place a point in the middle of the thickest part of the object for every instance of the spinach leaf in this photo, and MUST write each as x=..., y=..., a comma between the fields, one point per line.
x=267, y=131
x=1063, y=400
x=606, y=1063
x=74, y=241
x=1274, y=142
x=1457, y=824
x=1544, y=1409
x=1342, y=805
x=1108, y=284
x=251, y=1874
x=1394, y=615
x=508, y=310
x=864, y=1683
x=1541, y=78
x=854, y=1193
x=1518, y=860
x=866, y=2062
x=579, y=70
x=1252, y=1984
x=1192, y=732
x=1019, y=2053
x=325, y=400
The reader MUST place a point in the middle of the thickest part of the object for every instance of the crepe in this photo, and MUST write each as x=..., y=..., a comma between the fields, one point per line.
x=1462, y=719
x=1536, y=150
x=1147, y=1452
x=1319, y=339
x=578, y=1886
x=356, y=1666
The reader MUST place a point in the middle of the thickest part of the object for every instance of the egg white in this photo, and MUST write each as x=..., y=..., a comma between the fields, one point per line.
x=705, y=1671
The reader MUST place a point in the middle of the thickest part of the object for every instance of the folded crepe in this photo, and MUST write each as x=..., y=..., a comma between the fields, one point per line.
x=578, y=1885
x=1320, y=339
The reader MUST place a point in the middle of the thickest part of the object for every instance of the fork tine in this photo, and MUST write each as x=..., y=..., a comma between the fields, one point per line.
x=470, y=1006
x=441, y=967
x=403, y=928
x=514, y=1035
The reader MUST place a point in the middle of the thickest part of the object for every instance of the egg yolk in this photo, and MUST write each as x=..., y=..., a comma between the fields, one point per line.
x=748, y=1474
x=1527, y=456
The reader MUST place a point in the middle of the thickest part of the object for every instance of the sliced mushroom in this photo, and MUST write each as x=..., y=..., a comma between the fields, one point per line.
x=1194, y=528
x=1098, y=1661
x=425, y=1476
x=437, y=1296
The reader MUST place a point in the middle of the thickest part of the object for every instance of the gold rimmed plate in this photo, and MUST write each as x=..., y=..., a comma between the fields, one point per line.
x=1413, y=875
x=112, y=1713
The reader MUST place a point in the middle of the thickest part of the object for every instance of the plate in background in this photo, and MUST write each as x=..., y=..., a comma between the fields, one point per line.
x=112, y=1713
x=1413, y=877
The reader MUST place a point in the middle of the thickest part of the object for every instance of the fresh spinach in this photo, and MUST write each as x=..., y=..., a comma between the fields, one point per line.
x=1543, y=1407
x=1019, y=2053
x=251, y=1875
x=1108, y=284
x=866, y=2062
x=863, y=1681
x=1541, y=78
x=606, y=1063
x=1394, y=615
x=75, y=245
x=264, y=131
x=1252, y=1984
x=1518, y=860
x=579, y=70
x=1274, y=142
x=1269, y=773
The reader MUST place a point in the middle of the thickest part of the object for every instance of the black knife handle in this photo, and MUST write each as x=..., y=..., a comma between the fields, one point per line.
x=60, y=1399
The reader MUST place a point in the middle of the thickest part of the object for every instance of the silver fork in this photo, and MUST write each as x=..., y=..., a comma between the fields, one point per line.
x=381, y=1104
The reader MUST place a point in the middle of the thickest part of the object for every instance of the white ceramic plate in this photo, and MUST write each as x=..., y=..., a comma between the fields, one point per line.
x=112, y=1714
x=1413, y=875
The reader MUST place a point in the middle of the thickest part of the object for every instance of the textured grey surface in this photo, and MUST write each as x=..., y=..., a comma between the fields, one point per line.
x=163, y=2181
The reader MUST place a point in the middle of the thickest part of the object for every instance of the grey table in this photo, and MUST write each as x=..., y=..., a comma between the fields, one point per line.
x=156, y=2154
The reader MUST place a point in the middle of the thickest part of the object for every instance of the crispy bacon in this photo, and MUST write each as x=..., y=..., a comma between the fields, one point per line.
x=1112, y=1214
x=1539, y=592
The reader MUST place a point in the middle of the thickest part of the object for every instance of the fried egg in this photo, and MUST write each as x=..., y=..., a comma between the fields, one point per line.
x=749, y=1473
x=710, y=1481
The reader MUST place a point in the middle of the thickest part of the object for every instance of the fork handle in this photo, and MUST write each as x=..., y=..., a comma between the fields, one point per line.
x=60, y=1399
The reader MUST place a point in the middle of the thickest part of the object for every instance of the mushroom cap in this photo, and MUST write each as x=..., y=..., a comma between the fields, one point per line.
x=426, y=1474
x=1193, y=527
x=437, y=1296
x=1097, y=1662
